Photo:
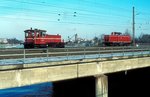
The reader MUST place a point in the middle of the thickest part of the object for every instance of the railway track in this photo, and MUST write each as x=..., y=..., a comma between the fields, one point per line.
x=51, y=52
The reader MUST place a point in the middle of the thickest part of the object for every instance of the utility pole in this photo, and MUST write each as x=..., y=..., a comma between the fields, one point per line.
x=133, y=29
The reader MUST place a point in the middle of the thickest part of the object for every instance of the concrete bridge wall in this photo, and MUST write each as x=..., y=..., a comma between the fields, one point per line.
x=82, y=68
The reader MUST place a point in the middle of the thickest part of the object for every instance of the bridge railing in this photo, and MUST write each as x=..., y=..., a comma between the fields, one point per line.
x=55, y=54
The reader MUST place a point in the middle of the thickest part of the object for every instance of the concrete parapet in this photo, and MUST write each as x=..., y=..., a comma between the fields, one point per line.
x=76, y=69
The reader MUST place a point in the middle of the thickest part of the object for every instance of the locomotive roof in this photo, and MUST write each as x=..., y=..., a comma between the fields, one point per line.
x=32, y=30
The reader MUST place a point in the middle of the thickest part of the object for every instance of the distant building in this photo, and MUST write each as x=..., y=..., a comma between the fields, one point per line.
x=3, y=41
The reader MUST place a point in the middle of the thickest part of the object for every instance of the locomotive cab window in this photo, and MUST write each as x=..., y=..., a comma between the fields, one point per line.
x=26, y=34
x=29, y=34
x=43, y=34
x=32, y=34
x=37, y=34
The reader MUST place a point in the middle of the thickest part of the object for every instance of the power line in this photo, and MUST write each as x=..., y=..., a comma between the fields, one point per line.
x=39, y=20
x=59, y=7
x=55, y=6
x=89, y=2
x=83, y=15
x=95, y=13
x=56, y=13
x=46, y=4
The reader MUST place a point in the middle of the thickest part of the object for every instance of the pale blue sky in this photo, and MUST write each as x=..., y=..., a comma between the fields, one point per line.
x=87, y=18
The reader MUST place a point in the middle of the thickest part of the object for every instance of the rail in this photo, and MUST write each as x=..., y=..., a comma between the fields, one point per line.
x=22, y=56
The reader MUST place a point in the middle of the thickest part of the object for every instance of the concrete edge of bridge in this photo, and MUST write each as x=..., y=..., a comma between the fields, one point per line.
x=67, y=62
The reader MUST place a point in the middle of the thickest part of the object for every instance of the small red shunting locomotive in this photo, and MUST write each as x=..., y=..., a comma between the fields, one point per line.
x=117, y=39
x=39, y=38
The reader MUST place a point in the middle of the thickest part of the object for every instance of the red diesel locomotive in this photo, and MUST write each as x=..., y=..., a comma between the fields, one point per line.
x=39, y=38
x=117, y=39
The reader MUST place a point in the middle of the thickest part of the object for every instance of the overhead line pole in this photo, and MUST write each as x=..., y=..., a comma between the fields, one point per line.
x=133, y=29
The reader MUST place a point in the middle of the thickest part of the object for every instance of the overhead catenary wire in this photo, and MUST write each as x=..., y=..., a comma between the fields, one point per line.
x=55, y=13
x=58, y=22
x=86, y=1
x=60, y=7
x=83, y=13
x=94, y=13
x=59, y=13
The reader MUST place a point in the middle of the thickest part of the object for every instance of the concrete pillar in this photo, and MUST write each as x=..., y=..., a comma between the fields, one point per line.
x=101, y=86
